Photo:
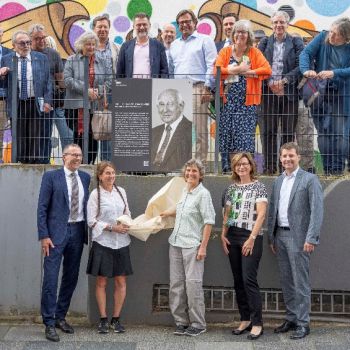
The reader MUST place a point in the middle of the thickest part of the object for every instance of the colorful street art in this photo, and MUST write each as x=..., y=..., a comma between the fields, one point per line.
x=65, y=20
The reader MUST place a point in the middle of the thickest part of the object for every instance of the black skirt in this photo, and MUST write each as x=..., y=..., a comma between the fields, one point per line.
x=108, y=262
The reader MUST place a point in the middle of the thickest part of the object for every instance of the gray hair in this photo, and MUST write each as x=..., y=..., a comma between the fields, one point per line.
x=50, y=42
x=173, y=92
x=280, y=13
x=85, y=37
x=71, y=145
x=245, y=25
x=19, y=32
x=195, y=163
x=36, y=28
x=343, y=26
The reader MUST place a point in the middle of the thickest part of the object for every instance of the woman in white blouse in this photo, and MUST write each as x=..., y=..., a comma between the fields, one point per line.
x=109, y=255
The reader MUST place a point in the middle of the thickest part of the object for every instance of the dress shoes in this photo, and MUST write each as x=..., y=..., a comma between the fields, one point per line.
x=51, y=334
x=241, y=331
x=300, y=332
x=285, y=327
x=255, y=336
x=64, y=326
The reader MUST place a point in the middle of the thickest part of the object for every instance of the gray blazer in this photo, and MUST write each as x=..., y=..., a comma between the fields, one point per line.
x=74, y=80
x=305, y=208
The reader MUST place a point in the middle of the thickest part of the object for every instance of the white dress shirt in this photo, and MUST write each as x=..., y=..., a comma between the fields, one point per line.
x=111, y=207
x=285, y=192
x=30, y=86
x=173, y=126
x=81, y=194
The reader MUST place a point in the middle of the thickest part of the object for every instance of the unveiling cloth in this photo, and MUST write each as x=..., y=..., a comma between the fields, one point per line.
x=150, y=222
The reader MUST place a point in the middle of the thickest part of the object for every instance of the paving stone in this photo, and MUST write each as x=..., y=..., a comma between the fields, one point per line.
x=11, y=345
x=223, y=346
x=3, y=331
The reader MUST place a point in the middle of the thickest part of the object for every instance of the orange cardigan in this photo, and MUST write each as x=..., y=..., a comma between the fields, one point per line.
x=258, y=63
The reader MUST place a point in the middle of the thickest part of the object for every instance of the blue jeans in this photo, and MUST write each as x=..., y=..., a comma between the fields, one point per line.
x=66, y=134
x=106, y=150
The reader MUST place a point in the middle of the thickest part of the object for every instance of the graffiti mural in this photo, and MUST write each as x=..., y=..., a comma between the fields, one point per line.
x=66, y=20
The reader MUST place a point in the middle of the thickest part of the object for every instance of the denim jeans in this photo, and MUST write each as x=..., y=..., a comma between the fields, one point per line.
x=106, y=150
x=66, y=134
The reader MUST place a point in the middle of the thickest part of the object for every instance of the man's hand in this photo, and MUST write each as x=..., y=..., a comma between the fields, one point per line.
x=273, y=249
x=225, y=242
x=46, y=244
x=47, y=108
x=4, y=71
x=202, y=253
x=309, y=247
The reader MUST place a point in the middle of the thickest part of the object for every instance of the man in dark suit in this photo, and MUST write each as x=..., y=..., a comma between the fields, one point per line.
x=228, y=21
x=34, y=96
x=294, y=225
x=171, y=141
x=142, y=57
x=3, y=93
x=62, y=232
x=280, y=95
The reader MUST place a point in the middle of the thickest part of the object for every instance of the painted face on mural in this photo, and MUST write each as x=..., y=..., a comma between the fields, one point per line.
x=38, y=41
x=186, y=25
x=334, y=37
x=228, y=24
x=102, y=30
x=22, y=44
x=141, y=27
x=168, y=34
x=279, y=25
x=169, y=107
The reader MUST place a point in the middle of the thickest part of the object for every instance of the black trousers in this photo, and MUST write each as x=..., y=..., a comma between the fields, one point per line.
x=245, y=270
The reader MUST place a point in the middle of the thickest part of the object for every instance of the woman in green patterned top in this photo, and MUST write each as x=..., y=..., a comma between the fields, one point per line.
x=245, y=203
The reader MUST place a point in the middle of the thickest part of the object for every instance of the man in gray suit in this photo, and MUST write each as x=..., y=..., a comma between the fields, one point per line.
x=294, y=224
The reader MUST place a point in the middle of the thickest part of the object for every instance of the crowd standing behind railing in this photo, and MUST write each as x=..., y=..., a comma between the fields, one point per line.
x=39, y=90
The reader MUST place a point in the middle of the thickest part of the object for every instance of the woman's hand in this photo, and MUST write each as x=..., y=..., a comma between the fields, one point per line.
x=310, y=74
x=120, y=228
x=93, y=94
x=225, y=242
x=248, y=246
x=244, y=67
x=325, y=74
x=167, y=213
x=202, y=253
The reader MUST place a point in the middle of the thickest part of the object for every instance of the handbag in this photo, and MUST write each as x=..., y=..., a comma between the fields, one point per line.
x=101, y=122
x=313, y=91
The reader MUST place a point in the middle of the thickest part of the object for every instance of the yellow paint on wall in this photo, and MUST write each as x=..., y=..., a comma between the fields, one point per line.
x=94, y=7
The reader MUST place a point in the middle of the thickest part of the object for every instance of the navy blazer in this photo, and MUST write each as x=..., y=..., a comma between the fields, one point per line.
x=53, y=205
x=220, y=45
x=41, y=78
x=157, y=57
x=5, y=51
x=292, y=50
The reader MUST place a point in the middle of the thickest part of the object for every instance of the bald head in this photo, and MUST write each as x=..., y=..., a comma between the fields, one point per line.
x=168, y=34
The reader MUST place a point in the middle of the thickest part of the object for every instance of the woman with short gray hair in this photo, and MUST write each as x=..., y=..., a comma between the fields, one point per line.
x=195, y=216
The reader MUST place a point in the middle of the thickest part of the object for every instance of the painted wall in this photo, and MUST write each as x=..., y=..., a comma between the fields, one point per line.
x=65, y=20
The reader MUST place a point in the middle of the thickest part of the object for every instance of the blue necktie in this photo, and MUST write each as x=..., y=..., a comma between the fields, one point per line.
x=24, y=89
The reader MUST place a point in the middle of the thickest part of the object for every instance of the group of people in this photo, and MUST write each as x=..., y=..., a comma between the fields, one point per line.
x=259, y=85
x=295, y=214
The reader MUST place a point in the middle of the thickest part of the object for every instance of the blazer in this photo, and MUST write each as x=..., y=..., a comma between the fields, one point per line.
x=179, y=150
x=220, y=45
x=53, y=205
x=3, y=90
x=74, y=80
x=305, y=208
x=41, y=79
x=292, y=49
x=157, y=57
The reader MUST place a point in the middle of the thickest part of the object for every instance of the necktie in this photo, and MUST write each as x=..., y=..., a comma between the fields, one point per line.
x=24, y=88
x=74, y=204
x=159, y=157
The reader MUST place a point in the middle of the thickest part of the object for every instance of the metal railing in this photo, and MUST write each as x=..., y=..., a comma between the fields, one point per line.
x=321, y=130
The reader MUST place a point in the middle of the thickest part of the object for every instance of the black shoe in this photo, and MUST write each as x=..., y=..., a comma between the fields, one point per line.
x=103, y=326
x=255, y=336
x=64, y=326
x=51, y=334
x=241, y=331
x=116, y=326
x=180, y=329
x=193, y=331
x=285, y=327
x=300, y=332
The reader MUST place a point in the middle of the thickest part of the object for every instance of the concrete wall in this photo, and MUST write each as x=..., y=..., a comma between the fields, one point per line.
x=20, y=255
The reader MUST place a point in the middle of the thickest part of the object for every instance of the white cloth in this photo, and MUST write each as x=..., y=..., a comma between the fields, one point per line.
x=111, y=207
x=173, y=128
x=286, y=189
x=67, y=172
x=30, y=86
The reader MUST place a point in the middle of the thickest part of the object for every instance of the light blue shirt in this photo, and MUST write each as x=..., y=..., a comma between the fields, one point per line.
x=194, y=210
x=193, y=58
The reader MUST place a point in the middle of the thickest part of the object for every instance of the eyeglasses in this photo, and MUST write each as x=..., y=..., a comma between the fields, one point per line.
x=76, y=155
x=40, y=38
x=186, y=22
x=241, y=32
x=24, y=43
x=242, y=164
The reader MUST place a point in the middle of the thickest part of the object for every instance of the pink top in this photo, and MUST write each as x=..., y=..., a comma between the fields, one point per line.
x=142, y=67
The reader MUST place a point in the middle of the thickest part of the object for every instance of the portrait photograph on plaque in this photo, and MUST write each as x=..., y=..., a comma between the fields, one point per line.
x=152, y=124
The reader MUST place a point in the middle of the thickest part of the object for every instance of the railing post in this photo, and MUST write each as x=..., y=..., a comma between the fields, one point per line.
x=86, y=121
x=217, y=112
x=14, y=106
